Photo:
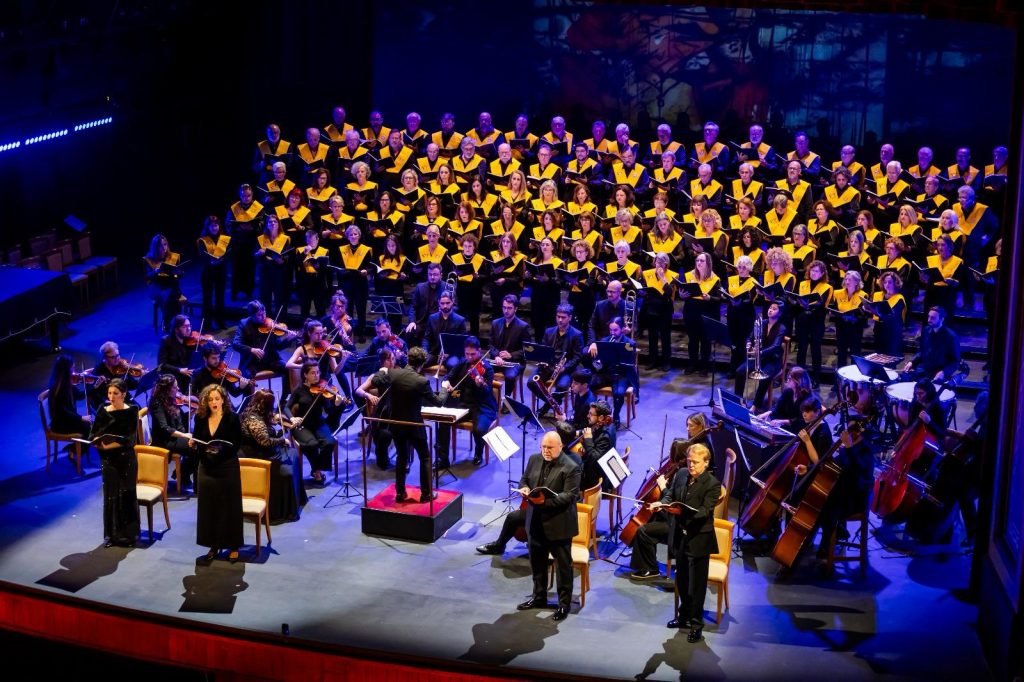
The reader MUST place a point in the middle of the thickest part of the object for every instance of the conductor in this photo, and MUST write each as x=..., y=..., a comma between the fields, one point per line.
x=551, y=521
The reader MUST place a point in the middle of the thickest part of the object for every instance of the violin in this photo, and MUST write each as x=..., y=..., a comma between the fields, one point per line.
x=191, y=401
x=195, y=338
x=124, y=367
x=222, y=371
x=85, y=377
x=332, y=350
x=327, y=391
x=269, y=326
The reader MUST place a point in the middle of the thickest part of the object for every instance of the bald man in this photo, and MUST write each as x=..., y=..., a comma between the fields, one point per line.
x=551, y=521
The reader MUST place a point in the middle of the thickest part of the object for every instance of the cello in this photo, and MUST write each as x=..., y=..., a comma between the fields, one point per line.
x=767, y=503
x=651, y=490
x=890, y=499
x=824, y=476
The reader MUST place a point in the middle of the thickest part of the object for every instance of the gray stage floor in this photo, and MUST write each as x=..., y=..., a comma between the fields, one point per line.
x=328, y=582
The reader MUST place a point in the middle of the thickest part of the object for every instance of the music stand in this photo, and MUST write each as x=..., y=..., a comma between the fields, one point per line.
x=718, y=333
x=504, y=448
x=146, y=382
x=390, y=306
x=347, y=490
x=526, y=416
x=872, y=370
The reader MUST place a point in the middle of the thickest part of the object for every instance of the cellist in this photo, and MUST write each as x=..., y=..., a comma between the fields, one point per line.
x=643, y=560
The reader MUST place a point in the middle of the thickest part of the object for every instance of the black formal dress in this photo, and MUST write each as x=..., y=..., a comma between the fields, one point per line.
x=692, y=535
x=119, y=470
x=551, y=526
x=219, y=513
x=287, y=495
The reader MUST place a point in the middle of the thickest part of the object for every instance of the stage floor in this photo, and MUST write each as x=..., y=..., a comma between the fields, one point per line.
x=328, y=582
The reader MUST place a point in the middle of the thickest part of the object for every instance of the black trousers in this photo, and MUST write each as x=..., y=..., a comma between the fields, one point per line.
x=769, y=368
x=513, y=520
x=561, y=550
x=511, y=373
x=317, y=445
x=645, y=545
x=692, y=584
x=481, y=422
x=406, y=438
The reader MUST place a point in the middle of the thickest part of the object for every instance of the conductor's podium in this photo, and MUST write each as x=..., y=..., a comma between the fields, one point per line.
x=411, y=519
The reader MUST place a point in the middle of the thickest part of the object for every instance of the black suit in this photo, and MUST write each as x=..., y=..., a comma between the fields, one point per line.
x=551, y=526
x=594, y=448
x=408, y=393
x=423, y=303
x=437, y=325
x=510, y=338
x=692, y=535
x=483, y=409
x=604, y=312
x=571, y=344
x=772, y=347
x=939, y=350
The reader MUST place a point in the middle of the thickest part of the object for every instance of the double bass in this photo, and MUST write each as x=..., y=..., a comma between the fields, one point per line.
x=651, y=491
x=823, y=476
x=897, y=489
x=776, y=487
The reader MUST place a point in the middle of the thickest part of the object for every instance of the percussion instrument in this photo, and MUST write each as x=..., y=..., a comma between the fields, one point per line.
x=900, y=396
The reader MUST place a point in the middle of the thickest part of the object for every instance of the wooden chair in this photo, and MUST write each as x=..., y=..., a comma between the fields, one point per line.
x=592, y=498
x=268, y=376
x=38, y=245
x=615, y=504
x=151, y=484
x=256, y=494
x=498, y=386
x=53, y=438
x=629, y=404
x=837, y=549
x=723, y=500
x=55, y=263
x=781, y=376
x=85, y=257
x=718, y=567
x=728, y=479
x=580, y=550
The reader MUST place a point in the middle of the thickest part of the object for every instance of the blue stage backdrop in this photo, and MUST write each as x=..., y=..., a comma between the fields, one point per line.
x=842, y=77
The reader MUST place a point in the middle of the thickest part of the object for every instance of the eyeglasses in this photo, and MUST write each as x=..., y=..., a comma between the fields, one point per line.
x=111, y=356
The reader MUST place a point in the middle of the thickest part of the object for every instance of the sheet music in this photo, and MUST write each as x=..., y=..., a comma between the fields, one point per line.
x=613, y=467
x=501, y=444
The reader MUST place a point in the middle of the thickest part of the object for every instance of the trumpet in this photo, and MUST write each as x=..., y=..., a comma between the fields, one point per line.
x=629, y=309
x=754, y=352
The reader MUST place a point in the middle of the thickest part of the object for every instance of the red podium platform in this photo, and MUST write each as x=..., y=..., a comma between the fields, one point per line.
x=411, y=520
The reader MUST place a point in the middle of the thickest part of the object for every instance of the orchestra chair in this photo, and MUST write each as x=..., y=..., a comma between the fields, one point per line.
x=839, y=550
x=723, y=501
x=268, y=376
x=781, y=376
x=39, y=245
x=718, y=566
x=498, y=386
x=256, y=494
x=298, y=460
x=630, y=401
x=53, y=438
x=580, y=550
x=104, y=263
x=728, y=479
x=151, y=482
x=615, y=504
x=517, y=387
x=67, y=255
x=55, y=263
x=592, y=498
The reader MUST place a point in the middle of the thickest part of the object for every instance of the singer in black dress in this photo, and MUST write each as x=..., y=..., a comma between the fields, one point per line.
x=219, y=516
x=118, y=466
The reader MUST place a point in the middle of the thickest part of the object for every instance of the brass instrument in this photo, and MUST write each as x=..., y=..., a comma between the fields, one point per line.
x=754, y=350
x=629, y=310
x=450, y=282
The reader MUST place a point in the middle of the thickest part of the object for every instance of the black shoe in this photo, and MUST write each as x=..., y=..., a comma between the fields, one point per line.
x=695, y=635
x=108, y=543
x=618, y=424
x=678, y=623
x=534, y=603
x=644, y=575
x=428, y=497
x=478, y=461
x=491, y=548
x=401, y=497
x=207, y=558
x=560, y=613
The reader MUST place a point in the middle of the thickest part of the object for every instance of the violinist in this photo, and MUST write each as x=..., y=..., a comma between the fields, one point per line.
x=262, y=439
x=312, y=276
x=175, y=356
x=214, y=371
x=474, y=377
x=64, y=394
x=598, y=439
x=692, y=536
x=170, y=428
x=338, y=323
x=306, y=408
x=380, y=403
x=618, y=378
x=772, y=339
x=111, y=366
x=644, y=560
x=162, y=275
x=508, y=334
x=387, y=340
x=258, y=340
x=316, y=348
x=212, y=247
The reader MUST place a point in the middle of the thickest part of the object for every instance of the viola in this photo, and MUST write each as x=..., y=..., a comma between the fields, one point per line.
x=222, y=371
x=124, y=367
x=269, y=326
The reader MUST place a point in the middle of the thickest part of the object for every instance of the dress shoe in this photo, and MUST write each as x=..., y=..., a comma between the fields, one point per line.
x=233, y=557
x=478, y=461
x=401, y=497
x=695, y=635
x=427, y=497
x=678, y=623
x=490, y=548
x=644, y=575
x=560, y=613
x=207, y=558
x=108, y=543
x=532, y=604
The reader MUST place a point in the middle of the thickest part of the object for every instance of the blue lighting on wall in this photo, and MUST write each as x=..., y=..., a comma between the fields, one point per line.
x=55, y=134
